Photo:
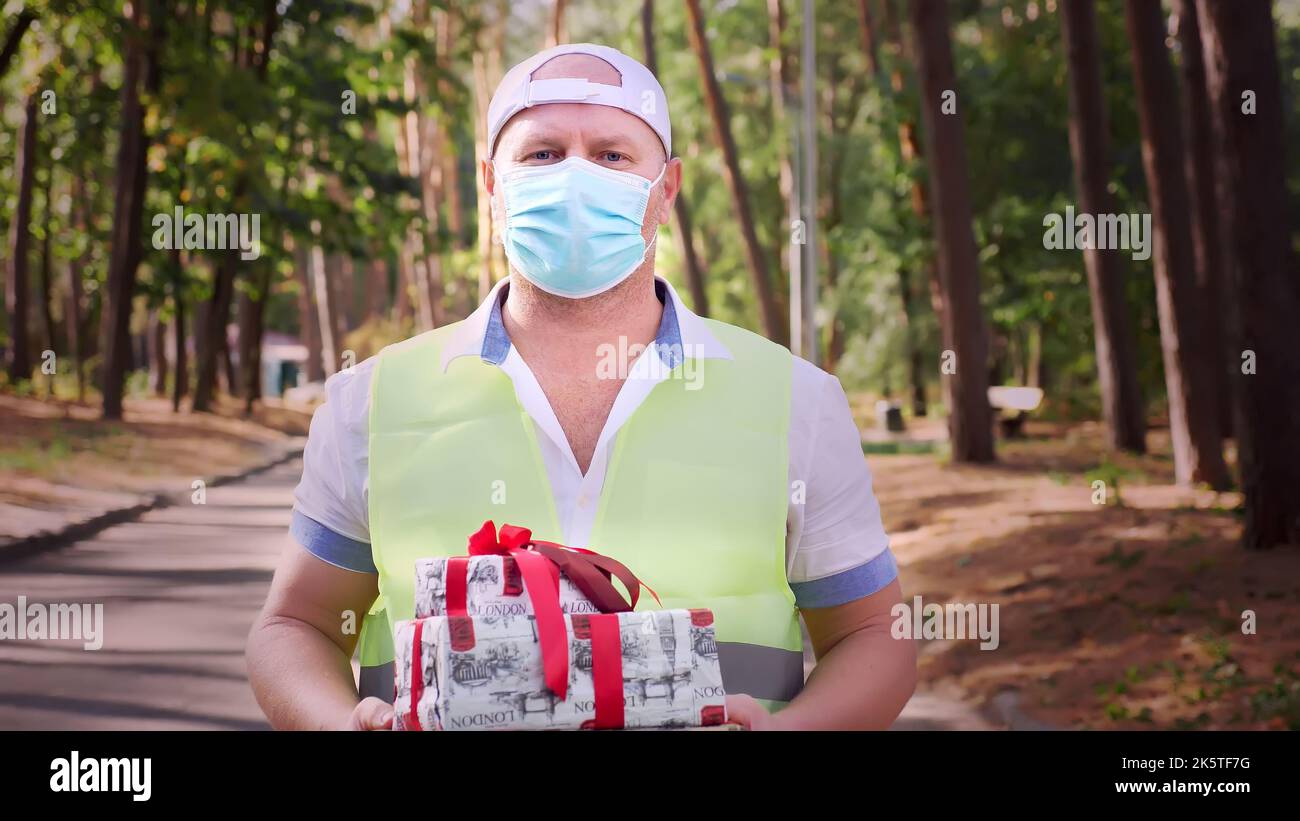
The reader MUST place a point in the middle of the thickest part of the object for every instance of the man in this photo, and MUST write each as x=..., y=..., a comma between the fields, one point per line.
x=584, y=401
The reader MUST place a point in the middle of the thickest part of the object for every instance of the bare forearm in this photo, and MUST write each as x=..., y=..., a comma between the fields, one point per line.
x=862, y=683
x=301, y=679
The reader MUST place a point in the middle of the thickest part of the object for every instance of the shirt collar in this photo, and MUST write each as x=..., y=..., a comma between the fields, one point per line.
x=681, y=332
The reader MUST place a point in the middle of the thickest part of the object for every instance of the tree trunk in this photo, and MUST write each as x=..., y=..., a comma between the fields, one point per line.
x=74, y=311
x=156, y=342
x=245, y=315
x=415, y=260
x=1262, y=284
x=210, y=333
x=22, y=22
x=115, y=315
x=422, y=136
x=429, y=240
x=344, y=289
x=970, y=422
x=558, y=31
x=252, y=312
x=376, y=286
x=251, y=360
x=867, y=35
x=115, y=321
x=769, y=308
x=46, y=280
x=420, y=274
x=486, y=275
x=181, y=371
x=445, y=148
x=686, y=247
x=227, y=359
x=1193, y=426
x=402, y=310
x=839, y=120
x=309, y=326
x=321, y=291
x=486, y=63
x=16, y=283
x=681, y=211
x=916, y=369
x=211, y=342
x=1121, y=398
x=909, y=151
x=909, y=146
x=779, y=83
x=1198, y=165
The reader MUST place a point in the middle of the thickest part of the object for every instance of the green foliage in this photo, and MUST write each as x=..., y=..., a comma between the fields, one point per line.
x=227, y=137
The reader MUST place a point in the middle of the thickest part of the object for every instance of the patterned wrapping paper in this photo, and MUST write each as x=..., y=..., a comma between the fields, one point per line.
x=495, y=589
x=487, y=675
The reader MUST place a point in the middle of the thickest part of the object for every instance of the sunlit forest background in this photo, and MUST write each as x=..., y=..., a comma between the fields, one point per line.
x=369, y=225
x=946, y=133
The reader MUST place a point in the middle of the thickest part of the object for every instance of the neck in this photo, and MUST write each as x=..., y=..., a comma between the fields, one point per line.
x=569, y=334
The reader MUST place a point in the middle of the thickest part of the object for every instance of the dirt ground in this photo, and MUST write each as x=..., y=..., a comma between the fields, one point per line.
x=1122, y=615
x=59, y=463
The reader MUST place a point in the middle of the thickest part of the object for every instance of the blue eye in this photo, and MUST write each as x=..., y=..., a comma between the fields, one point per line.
x=612, y=156
x=543, y=155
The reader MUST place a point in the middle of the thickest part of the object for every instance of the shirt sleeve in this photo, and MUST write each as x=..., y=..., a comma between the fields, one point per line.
x=330, y=513
x=837, y=548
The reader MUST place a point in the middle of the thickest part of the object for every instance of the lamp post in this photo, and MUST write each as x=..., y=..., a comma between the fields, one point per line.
x=803, y=210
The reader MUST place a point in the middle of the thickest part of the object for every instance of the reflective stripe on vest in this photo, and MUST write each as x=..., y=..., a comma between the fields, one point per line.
x=763, y=672
x=695, y=496
x=376, y=681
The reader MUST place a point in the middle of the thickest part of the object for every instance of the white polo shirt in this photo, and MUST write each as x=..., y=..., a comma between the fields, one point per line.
x=836, y=547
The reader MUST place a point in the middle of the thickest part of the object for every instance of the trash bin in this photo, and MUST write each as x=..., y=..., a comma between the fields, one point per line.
x=889, y=415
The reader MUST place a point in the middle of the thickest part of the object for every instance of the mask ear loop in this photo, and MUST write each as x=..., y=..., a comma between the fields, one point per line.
x=659, y=178
x=655, y=238
x=662, y=172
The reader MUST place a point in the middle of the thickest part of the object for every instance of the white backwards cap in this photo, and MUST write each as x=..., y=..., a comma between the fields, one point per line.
x=640, y=94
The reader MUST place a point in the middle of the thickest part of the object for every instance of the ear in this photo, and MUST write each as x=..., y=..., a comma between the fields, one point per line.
x=672, y=187
x=489, y=176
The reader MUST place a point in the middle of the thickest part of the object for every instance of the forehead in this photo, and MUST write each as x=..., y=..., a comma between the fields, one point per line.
x=577, y=124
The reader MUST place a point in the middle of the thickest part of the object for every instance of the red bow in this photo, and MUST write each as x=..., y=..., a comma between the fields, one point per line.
x=540, y=564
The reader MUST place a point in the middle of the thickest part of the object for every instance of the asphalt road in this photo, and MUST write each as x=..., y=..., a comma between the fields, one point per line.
x=180, y=588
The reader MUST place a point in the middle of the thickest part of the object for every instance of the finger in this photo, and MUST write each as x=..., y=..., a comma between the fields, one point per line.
x=740, y=711
x=373, y=714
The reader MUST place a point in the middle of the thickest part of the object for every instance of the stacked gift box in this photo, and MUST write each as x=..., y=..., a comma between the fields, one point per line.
x=482, y=663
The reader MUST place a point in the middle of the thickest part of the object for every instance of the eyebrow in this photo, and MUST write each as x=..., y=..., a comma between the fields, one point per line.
x=543, y=139
x=556, y=140
x=618, y=143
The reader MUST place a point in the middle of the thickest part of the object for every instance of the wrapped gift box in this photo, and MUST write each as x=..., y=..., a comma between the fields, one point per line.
x=494, y=589
x=482, y=674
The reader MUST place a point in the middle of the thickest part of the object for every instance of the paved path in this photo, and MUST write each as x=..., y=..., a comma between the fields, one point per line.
x=180, y=588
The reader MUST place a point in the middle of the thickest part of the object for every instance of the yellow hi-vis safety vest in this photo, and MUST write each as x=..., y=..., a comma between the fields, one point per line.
x=694, y=501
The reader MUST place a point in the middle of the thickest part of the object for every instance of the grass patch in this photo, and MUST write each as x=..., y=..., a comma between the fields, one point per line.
x=898, y=448
x=1120, y=559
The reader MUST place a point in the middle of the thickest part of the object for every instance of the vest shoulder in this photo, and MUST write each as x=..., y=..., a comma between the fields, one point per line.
x=426, y=343
x=745, y=343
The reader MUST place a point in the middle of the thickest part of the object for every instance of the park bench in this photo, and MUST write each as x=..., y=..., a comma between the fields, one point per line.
x=1013, y=405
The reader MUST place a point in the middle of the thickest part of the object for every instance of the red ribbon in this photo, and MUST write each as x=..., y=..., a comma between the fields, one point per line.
x=607, y=671
x=541, y=578
x=540, y=564
x=417, y=678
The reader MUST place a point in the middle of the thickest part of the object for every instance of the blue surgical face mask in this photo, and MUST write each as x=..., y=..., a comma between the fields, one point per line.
x=573, y=228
